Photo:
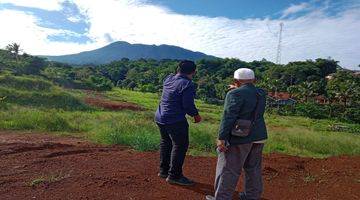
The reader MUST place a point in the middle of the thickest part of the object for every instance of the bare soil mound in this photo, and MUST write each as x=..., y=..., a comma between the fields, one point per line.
x=111, y=105
x=98, y=100
x=41, y=166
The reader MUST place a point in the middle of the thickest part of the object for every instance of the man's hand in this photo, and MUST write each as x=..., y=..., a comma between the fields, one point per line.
x=231, y=87
x=197, y=119
x=221, y=145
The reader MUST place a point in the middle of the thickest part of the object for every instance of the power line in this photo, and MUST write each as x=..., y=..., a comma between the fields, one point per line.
x=272, y=33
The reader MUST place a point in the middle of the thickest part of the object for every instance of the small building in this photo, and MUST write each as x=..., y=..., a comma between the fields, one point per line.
x=321, y=99
x=280, y=99
x=280, y=95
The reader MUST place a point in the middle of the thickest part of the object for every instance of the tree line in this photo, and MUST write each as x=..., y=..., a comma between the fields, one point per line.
x=306, y=81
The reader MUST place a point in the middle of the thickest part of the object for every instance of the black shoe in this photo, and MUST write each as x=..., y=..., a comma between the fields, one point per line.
x=180, y=181
x=162, y=175
x=242, y=196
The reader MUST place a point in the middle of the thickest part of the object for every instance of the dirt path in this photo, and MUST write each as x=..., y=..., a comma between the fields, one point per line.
x=39, y=166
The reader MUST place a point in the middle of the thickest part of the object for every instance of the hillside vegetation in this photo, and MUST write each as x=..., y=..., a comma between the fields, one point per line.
x=35, y=91
x=68, y=115
x=321, y=88
x=36, y=95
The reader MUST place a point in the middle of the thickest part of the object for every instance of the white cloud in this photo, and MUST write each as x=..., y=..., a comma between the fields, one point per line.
x=23, y=29
x=295, y=9
x=308, y=37
x=311, y=36
x=75, y=19
x=41, y=4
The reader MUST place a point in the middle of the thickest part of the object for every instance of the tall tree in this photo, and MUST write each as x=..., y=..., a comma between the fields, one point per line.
x=344, y=87
x=14, y=49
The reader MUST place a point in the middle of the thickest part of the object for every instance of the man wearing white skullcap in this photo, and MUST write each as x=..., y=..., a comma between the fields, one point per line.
x=244, y=74
x=241, y=139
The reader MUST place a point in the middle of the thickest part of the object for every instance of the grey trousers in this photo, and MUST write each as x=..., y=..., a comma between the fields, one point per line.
x=229, y=167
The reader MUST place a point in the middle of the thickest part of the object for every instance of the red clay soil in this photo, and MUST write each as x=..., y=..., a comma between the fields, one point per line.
x=41, y=166
x=111, y=105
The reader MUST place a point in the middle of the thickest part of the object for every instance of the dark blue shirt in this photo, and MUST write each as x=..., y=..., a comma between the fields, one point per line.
x=177, y=100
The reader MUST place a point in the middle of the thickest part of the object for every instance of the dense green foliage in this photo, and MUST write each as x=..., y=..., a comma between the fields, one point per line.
x=86, y=78
x=20, y=64
x=306, y=81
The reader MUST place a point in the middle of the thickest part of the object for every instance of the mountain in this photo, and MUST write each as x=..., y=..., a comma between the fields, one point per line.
x=119, y=50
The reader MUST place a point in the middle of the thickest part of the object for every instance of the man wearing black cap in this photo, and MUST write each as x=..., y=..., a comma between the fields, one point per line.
x=177, y=101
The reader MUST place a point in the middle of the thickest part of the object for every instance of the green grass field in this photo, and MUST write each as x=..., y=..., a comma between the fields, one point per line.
x=63, y=112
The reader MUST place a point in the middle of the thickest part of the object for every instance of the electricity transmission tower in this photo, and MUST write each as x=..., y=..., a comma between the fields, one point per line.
x=278, y=55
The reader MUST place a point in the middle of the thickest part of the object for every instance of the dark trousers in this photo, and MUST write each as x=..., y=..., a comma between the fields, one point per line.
x=173, y=147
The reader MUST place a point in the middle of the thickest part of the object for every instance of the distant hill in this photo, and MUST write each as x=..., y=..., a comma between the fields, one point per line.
x=119, y=50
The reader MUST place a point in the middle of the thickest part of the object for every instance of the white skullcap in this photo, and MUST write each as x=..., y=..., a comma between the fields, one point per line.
x=244, y=74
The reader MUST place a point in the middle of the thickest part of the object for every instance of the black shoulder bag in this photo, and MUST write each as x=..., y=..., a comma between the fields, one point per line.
x=243, y=127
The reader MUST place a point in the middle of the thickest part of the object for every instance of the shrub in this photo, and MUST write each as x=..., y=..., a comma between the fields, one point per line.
x=3, y=104
x=55, y=99
x=141, y=136
x=25, y=83
x=214, y=101
x=312, y=110
x=98, y=84
x=339, y=127
x=30, y=119
x=319, y=111
x=283, y=110
x=352, y=114
x=148, y=88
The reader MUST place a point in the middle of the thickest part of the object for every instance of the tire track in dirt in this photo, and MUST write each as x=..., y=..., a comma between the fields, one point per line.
x=16, y=148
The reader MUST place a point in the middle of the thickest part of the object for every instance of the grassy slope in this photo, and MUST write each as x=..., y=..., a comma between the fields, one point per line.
x=290, y=135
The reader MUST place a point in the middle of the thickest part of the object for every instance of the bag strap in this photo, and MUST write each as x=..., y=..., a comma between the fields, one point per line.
x=256, y=109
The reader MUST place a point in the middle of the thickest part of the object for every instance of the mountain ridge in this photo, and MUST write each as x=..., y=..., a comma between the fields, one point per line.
x=121, y=49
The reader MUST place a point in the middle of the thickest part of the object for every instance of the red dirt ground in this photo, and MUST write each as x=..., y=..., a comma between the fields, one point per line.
x=75, y=169
x=111, y=105
x=98, y=99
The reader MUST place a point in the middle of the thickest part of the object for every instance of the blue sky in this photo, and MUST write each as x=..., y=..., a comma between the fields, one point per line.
x=242, y=9
x=234, y=9
x=243, y=29
x=68, y=18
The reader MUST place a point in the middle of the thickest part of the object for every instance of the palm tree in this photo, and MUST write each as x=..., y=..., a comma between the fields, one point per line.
x=294, y=91
x=14, y=49
x=307, y=90
x=344, y=88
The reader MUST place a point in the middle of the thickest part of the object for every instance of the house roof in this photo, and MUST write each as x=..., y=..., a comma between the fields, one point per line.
x=280, y=95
